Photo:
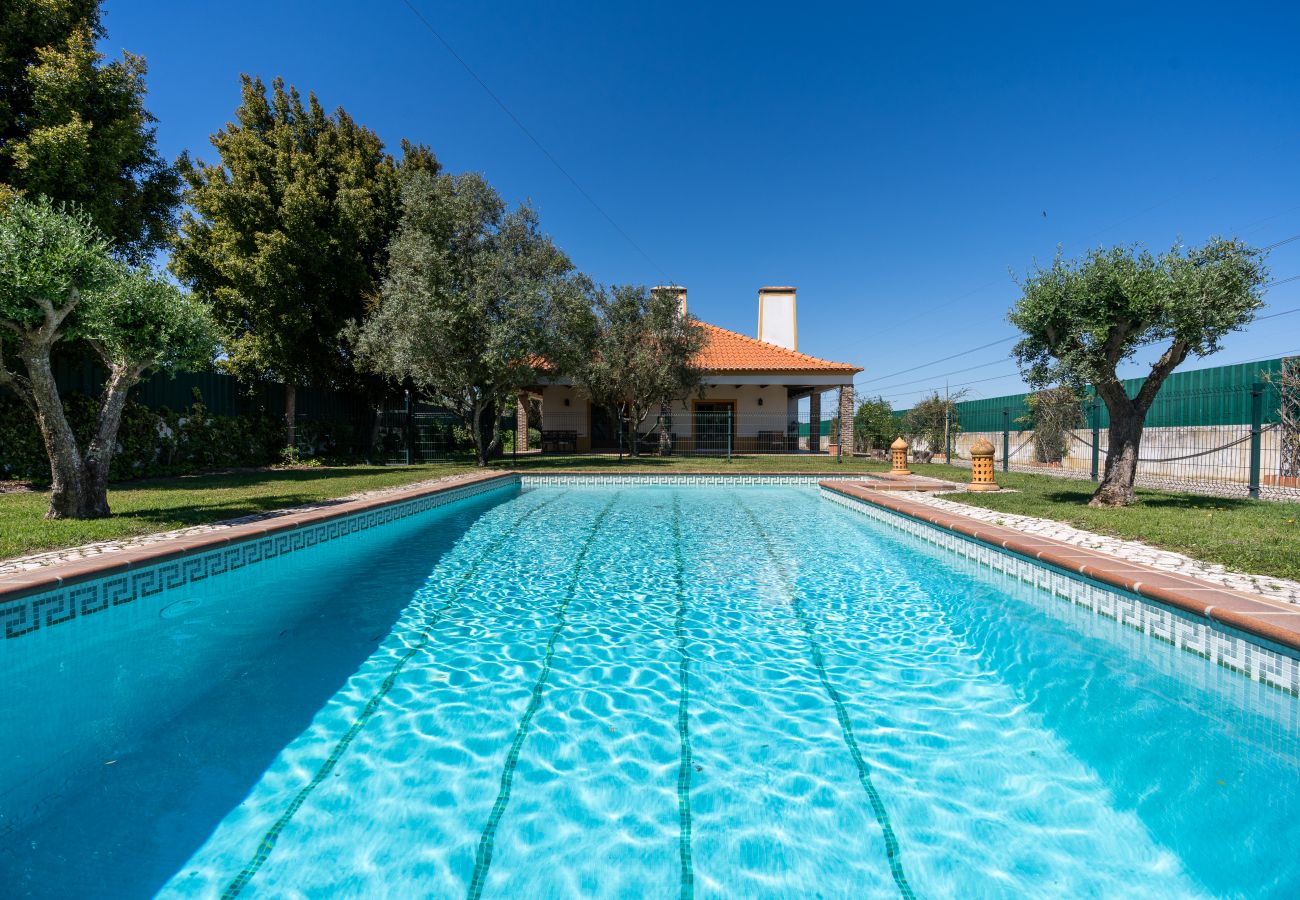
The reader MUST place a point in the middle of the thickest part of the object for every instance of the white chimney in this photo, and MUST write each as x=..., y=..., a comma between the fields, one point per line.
x=776, y=319
x=675, y=289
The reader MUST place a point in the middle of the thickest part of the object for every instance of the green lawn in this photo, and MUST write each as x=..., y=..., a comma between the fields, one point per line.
x=160, y=505
x=1246, y=535
x=1251, y=536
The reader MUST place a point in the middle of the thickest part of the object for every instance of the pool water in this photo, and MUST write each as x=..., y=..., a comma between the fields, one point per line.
x=635, y=692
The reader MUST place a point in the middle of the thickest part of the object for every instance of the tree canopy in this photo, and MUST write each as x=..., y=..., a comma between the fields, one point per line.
x=73, y=127
x=1082, y=319
x=874, y=425
x=635, y=352
x=286, y=233
x=470, y=303
x=59, y=283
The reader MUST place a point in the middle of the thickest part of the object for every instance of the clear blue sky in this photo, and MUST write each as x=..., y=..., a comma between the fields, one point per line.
x=893, y=165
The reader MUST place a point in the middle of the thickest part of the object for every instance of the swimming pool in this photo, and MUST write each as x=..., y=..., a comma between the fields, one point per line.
x=634, y=691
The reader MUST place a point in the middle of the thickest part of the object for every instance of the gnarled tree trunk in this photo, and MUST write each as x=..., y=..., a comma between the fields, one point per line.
x=487, y=433
x=67, y=471
x=99, y=454
x=1116, y=488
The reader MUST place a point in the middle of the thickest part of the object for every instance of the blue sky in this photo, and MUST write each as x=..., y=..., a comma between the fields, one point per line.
x=892, y=164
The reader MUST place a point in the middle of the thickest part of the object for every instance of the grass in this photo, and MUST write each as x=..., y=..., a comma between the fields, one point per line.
x=1245, y=535
x=1255, y=536
x=142, y=507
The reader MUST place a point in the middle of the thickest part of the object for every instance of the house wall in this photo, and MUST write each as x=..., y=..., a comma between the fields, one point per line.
x=752, y=419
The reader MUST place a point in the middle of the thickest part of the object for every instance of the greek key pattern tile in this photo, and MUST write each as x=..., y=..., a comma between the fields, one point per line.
x=1169, y=626
x=681, y=479
x=26, y=615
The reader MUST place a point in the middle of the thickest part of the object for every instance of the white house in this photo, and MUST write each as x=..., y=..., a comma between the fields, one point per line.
x=751, y=400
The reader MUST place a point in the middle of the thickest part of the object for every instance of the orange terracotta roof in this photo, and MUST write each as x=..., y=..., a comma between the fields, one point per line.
x=729, y=351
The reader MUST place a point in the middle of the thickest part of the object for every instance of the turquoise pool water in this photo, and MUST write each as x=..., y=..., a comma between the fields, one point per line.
x=634, y=692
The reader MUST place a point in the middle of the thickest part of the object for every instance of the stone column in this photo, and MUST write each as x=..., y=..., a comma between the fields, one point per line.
x=815, y=421
x=521, y=423
x=846, y=419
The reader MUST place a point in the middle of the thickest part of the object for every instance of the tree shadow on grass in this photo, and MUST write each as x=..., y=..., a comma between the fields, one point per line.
x=1153, y=500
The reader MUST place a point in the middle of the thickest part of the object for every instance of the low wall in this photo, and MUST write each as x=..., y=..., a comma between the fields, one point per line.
x=1209, y=459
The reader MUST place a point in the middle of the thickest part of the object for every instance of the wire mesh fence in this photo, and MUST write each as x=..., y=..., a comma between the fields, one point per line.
x=705, y=430
x=1228, y=441
x=420, y=434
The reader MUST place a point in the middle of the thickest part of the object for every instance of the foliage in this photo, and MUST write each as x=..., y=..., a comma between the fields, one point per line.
x=1288, y=385
x=73, y=127
x=149, y=442
x=1082, y=319
x=1053, y=413
x=470, y=302
x=874, y=425
x=285, y=234
x=927, y=419
x=49, y=260
x=634, y=353
x=57, y=283
x=143, y=321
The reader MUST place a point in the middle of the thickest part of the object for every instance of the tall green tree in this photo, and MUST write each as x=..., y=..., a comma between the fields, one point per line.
x=73, y=126
x=285, y=235
x=59, y=283
x=470, y=304
x=640, y=354
x=874, y=425
x=934, y=420
x=1083, y=318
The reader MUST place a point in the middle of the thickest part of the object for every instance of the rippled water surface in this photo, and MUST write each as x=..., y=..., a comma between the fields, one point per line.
x=638, y=692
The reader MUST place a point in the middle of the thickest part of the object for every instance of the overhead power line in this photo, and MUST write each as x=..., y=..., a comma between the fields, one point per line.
x=935, y=362
x=532, y=137
x=1276, y=244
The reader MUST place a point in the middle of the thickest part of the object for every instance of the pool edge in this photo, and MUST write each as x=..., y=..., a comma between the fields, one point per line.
x=1250, y=614
x=51, y=577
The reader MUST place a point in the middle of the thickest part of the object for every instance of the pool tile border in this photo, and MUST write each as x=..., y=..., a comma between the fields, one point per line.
x=1250, y=635
x=678, y=479
x=53, y=595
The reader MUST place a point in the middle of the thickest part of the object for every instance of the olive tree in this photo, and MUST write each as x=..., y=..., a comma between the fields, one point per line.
x=471, y=296
x=1082, y=319
x=1052, y=414
x=59, y=284
x=640, y=355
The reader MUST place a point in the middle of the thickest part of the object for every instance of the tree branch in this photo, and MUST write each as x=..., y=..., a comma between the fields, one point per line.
x=1170, y=360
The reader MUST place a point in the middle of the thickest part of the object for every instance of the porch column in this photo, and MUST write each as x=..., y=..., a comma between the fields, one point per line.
x=815, y=422
x=521, y=422
x=846, y=419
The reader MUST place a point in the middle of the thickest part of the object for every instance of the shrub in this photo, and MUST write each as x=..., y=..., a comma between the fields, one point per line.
x=874, y=425
x=1052, y=414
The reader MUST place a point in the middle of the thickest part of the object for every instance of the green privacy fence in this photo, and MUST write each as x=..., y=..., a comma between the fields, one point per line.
x=222, y=394
x=1215, y=396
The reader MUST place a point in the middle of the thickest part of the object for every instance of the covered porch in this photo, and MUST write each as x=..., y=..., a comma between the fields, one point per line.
x=739, y=414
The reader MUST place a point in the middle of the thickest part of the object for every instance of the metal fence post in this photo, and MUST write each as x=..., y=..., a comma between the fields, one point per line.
x=406, y=426
x=728, y=435
x=1256, y=429
x=1006, y=439
x=1095, y=409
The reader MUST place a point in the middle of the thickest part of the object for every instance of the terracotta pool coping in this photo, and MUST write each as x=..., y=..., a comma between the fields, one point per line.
x=888, y=481
x=1252, y=614
x=56, y=575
